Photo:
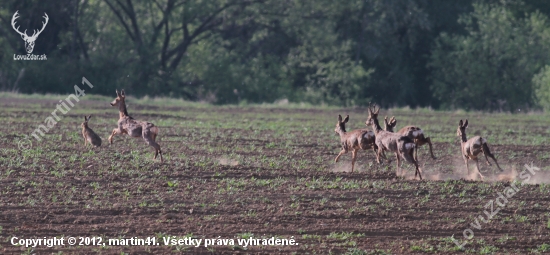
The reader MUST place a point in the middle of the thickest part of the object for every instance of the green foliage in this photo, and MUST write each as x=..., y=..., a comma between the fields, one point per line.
x=450, y=54
x=542, y=85
x=331, y=76
x=492, y=67
x=222, y=81
x=387, y=40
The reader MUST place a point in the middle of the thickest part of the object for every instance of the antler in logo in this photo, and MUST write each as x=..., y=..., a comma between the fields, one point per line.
x=29, y=40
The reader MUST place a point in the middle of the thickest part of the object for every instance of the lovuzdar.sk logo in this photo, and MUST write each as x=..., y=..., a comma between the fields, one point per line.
x=29, y=40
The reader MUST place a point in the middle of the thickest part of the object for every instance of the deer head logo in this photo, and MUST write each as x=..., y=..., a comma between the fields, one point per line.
x=29, y=40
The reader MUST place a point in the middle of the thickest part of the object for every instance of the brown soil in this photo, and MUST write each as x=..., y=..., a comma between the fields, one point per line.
x=211, y=193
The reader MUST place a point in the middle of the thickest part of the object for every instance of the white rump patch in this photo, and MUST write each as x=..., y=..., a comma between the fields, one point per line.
x=418, y=133
x=368, y=135
x=409, y=146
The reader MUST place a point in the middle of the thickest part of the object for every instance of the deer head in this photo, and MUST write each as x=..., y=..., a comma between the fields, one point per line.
x=29, y=40
x=461, y=131
x=119, y=98
x=373, y=114
x=341, y=125
x=390, y=125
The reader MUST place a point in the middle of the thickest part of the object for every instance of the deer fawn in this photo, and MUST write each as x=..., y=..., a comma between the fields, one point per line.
x=89, y=135
x=413, y=132
x=471, y=148
x=353, y=140
x=134, y=128
x=402, y=146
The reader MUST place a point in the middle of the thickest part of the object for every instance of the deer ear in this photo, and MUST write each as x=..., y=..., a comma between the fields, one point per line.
x=460, y=123
x=117, y=93
x=339, y=118
x=346, y=119
x=89, y=117
x=370, y=108
x=122, y=93
x=85, y=118
x=466, y=124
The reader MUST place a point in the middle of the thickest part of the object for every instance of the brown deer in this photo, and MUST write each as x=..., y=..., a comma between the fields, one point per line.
x=402, y=146
x=413, y=132
x=471, y=148
x=354, y=140
x=134, y=128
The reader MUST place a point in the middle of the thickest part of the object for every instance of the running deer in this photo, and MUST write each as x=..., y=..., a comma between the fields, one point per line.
x=354, y=140
x=134, y=128
x=413, y=132
x=402, y=146
x=471, y=148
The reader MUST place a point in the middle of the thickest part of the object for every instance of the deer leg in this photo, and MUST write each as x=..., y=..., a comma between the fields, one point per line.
x=430, y=144
x=160, y=152
x=467, y=167
x=378, y=154
x=385, y=156
x=417, y=169
x=487, y=152
x=415, y=153
x=157, y=150
x=375, y=149
x=342, y=152
x=494, y=159
x=353, y=156
x=382, y=156
x=115, y=131
x=149, y=140
x=499, y=168
x=477, y=168
x=398, y=163
x=487, y=159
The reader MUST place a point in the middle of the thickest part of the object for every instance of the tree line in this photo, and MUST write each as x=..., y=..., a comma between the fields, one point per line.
x=445, y=54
